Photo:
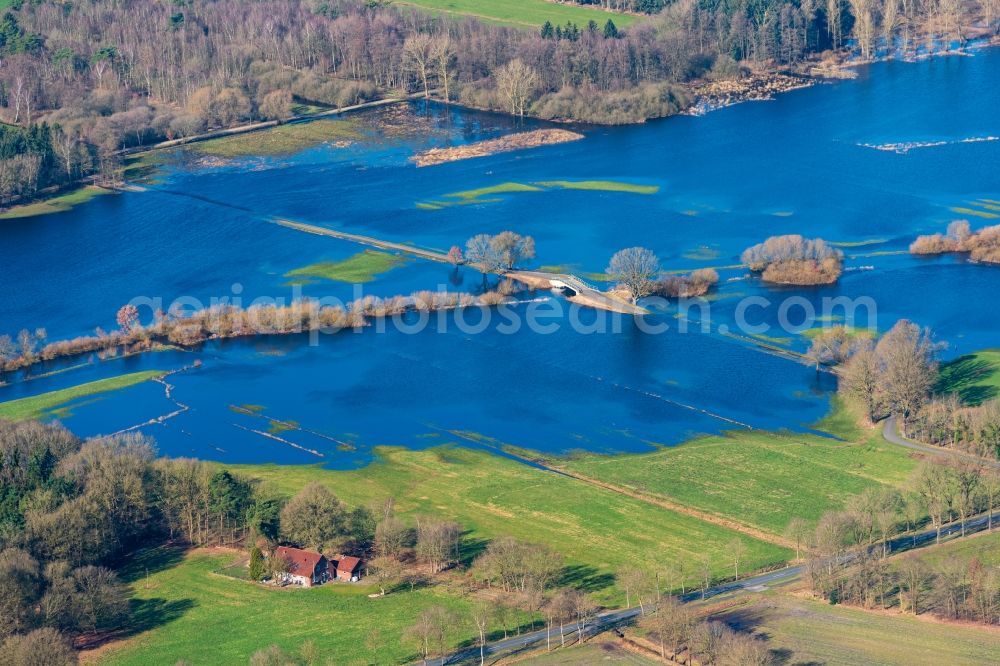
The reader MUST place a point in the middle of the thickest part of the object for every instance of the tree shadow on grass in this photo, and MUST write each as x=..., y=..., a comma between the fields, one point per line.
x=785, y=657
x=750, y=620
x=962, y=375
x=150, y=561
x=471, y=549
x=152, y=613
x=584, y=578
x=747, y=619
x=146, y=614
x=411, y=584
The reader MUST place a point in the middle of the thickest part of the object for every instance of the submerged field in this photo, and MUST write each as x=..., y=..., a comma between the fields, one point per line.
x=49, y=404
x=523, y=13
x=57, y=204
x=281, y=140
x=598, y=531
x=362, y=267
x=490, y=194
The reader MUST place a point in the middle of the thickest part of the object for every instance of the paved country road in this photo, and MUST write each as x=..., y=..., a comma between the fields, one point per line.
x=611, y=618
x=890, y=432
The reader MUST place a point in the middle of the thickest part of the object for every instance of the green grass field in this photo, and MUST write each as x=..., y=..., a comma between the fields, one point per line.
x=598, y=531
x=362, y=267
x=974, y=377
x=804, y=631
x=843, y=421
x=984, y=546
x=757, y=479
x=56, y=204
x=280, y=140
x=522, y=13
x=185, y=612
x=39, y=406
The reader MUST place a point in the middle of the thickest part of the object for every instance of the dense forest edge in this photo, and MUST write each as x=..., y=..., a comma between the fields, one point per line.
x=82, y=83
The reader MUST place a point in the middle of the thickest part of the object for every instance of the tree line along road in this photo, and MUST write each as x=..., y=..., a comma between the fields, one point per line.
x=757, y=583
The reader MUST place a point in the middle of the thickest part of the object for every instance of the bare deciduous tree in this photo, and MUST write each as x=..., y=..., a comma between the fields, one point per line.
x=438, y=542
x=516, y=82
x=798, y=531
x=737, y=551
x=672, y=622
x=635, y=269
x=907, y=356
x=443, y=54
x=385, y=571
x=418, y=53
x=482, y=615
x=861, y=379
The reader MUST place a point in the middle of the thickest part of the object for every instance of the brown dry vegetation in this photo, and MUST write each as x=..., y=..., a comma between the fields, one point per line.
x=696, y=283
x=504, y=144
x=982, y=245
x=793, y=259
x=233, y=322
x=804, y=272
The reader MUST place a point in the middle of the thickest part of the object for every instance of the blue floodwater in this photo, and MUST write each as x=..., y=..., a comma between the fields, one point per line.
x=799, y=164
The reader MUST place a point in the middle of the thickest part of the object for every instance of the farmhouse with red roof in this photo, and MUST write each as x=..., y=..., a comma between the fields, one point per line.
x=306, y=568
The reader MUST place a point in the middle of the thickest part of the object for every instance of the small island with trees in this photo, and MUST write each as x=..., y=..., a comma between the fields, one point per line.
x=794, y=260
x=982, y=246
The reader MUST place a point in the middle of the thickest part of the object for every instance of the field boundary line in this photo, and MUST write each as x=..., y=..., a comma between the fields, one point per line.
x=691, y=512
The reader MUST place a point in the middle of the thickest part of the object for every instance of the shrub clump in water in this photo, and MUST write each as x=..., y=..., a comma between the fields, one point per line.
x=795, y=260
x=982, y=245
x=694, y=284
